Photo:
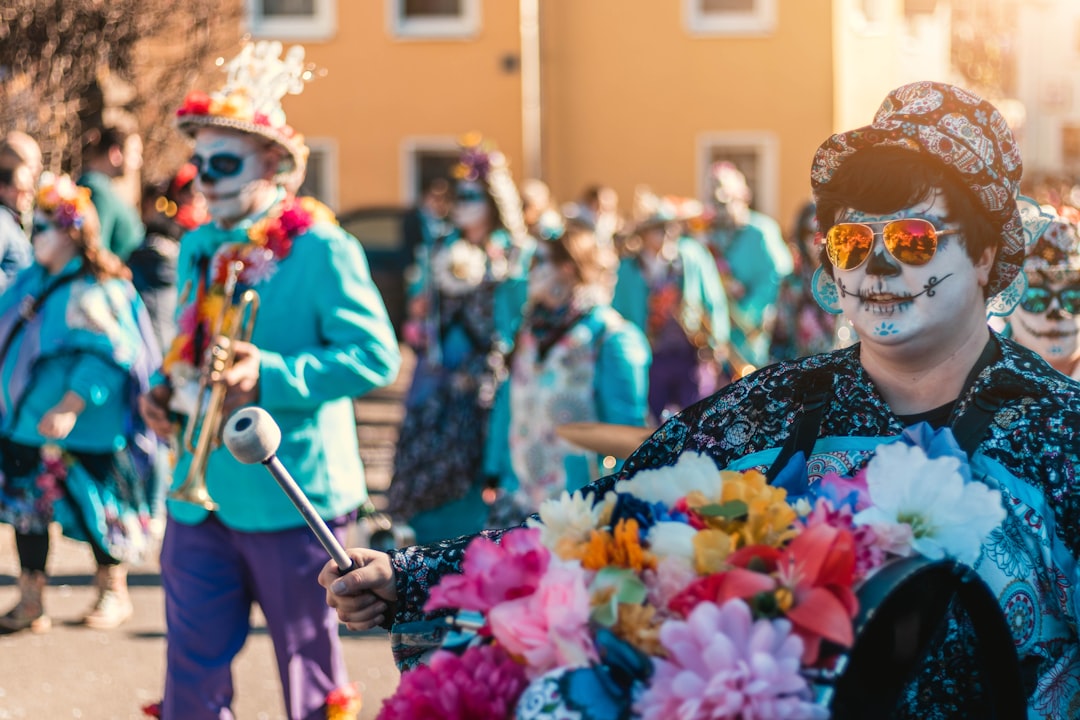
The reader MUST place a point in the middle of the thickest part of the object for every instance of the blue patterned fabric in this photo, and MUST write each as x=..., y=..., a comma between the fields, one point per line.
x=1030, y=452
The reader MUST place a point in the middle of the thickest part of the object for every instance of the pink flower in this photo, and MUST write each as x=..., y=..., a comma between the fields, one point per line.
x=725, y=666
x=493, y=573
x=671, y=577
x=482, y=684
x=549, y=628
x=294, y=219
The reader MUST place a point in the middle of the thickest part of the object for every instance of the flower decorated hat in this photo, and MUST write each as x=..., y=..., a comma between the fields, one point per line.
x=1055, y=256
x=66, y=203
x=967, y=136
x=483, y=168
x=250, y=100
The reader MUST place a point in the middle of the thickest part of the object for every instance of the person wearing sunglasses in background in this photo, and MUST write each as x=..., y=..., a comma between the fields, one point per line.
x=924, y=236
x=320, y=338
x=1047, y=320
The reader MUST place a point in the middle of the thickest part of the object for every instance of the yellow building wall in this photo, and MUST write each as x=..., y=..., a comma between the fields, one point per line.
x=379, y=90
x=628, y=90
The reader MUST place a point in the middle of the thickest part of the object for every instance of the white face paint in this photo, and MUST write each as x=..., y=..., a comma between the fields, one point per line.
x=893, y=305
x=53, y=249
x=231, y=173
x=468, y=215
x=1054, y=333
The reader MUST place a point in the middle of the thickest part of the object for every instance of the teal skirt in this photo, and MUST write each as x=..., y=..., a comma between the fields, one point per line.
x=97, y=498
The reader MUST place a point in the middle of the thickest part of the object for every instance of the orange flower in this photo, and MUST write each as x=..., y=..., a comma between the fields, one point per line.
x=639, y=626
x=620, y=549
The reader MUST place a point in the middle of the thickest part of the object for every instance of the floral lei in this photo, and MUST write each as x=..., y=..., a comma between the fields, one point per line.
x=270, y=241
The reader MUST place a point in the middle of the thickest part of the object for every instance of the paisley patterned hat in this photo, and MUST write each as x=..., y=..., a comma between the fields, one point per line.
x=1056, y=254
x=967, y=135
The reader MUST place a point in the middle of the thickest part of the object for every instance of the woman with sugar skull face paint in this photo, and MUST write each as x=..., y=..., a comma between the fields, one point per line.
x=468, y=296
x=923, y=234
x=1047, y=319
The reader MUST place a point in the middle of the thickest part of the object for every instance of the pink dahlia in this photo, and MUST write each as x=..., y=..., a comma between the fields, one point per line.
x=493, y=572
x=481, y=684
x=723, y=665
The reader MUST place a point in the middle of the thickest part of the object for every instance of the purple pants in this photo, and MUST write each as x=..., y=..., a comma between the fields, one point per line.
x=678, y=378
x=211, y=576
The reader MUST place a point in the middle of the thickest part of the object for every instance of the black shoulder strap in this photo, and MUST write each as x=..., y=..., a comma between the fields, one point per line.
x=814, y=392
x=970, y=428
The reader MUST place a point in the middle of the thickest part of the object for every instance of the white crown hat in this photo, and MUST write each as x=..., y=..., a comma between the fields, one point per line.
x=250, y=100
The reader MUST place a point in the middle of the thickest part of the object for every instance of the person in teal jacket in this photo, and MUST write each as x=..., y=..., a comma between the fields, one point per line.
x=321, y=337
x=471, y=290
x=76, y=349
x=106, y=154
x=575, y=359
x=753, y=260
x=670, y=289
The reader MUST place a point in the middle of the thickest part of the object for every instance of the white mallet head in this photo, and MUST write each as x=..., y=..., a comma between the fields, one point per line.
x=251, y=435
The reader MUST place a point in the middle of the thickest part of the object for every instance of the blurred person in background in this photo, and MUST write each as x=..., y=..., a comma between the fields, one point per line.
x=169, y=210
x=471, y=297
x=752, y=258
x=107, y=153
x=575, y=359
x=16, y=204
x=76, y=351
x=669, y=287
x=1047, y=320
x=802, y=327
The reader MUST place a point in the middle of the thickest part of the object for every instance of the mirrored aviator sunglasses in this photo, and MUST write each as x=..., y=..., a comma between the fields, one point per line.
x=1037, y=299
x=912, y=241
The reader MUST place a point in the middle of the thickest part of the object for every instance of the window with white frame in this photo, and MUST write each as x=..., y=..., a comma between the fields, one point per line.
x=423, y=160
x=292, y=19
x=730, y=17
x=433, y=18
x=754, y=154
x=321, y=180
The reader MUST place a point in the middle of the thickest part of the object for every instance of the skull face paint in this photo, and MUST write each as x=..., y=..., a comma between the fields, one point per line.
x=891, y=304
x=1053, y=333
x=231, y=172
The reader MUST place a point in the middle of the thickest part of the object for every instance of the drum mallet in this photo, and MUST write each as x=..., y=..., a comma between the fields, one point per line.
x=252, y=437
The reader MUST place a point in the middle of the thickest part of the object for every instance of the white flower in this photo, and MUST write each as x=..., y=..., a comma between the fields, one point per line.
x=459, y=267
x=693, y=471
x=672, y=539
x=948, y=517
x=569, y=517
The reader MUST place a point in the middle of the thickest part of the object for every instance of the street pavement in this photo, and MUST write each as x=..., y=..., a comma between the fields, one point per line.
x=76, y=672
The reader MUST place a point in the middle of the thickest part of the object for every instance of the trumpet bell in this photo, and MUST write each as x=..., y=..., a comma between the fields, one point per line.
x=196, y=494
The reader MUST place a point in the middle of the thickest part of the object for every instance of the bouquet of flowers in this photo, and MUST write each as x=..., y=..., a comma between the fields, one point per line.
x=690, y=592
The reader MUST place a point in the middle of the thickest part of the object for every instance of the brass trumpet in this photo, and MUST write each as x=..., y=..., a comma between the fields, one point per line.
x=202, y=434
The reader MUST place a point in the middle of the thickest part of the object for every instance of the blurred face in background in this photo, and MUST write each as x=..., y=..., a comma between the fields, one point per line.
x=53, y=247
x=1047, y=320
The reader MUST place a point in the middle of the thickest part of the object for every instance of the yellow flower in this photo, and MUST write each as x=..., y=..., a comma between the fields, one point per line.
x=317, y=211
x=711, y=550
x=639, y=626
x=471, y=139
x=235, y=105
x=767, y=519
x=257, y=232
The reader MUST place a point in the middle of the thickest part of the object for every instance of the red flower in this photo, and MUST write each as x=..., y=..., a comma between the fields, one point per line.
x=152, y=710
x=720, y=587
x=294, y=219
x=818, y=567
x=261, y=119
x=196, y=103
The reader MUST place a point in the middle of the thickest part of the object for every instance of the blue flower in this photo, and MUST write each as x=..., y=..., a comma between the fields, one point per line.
x=936, y=444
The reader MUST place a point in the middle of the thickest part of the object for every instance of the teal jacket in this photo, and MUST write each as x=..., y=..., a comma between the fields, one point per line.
x=121, y=229
x=324, y=338
x=620, y=395
x=759, y=259
x=87, y=337
x=704, y=302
